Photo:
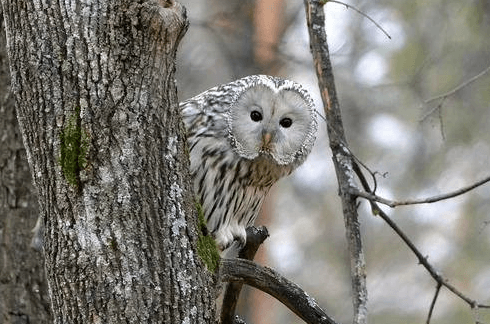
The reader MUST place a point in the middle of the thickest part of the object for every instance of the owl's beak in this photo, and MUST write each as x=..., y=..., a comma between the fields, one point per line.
x=266, y=140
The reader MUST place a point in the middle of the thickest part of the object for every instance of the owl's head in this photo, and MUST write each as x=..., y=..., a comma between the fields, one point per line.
x=274, y=118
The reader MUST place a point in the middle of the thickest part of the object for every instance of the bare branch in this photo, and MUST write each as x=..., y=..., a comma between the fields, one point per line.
x=361, y=13
x=371, y=173
x=255, y=237
x=437, y=108
x=422, y=259
x=342, y=159
x=442, y=98
x=269, y=281
x=441, y=122
x=459, y=87
x=393, y=203
x=476, y=315
x=433, y=303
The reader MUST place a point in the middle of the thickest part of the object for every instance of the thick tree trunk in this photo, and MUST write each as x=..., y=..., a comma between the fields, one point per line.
x=97, y=108
x=23, y=288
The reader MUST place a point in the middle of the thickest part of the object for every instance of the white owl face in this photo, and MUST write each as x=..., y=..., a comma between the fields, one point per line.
x=271, y=121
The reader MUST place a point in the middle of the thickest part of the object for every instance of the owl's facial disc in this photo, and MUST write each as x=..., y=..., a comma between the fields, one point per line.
x=272, y=123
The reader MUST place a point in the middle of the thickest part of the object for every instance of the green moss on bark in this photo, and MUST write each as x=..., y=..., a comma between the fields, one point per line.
x=206, y=246
x=74, y=142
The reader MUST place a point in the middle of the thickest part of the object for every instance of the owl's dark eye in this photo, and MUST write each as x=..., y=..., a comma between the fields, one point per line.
x=286, y=122
x=255, y=116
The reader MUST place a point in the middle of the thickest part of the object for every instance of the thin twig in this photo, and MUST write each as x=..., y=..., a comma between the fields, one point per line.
x=422, y=259
x=441, y=121
x=321, y=116
x=476, y=315
x=362, y=14
x=442, y=98
x=430, y=112
x=433, y=303
x=371, y=173
x=459, y=87
x=393, y=203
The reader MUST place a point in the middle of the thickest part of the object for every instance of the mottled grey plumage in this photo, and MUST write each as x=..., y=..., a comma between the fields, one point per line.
x=243, y=136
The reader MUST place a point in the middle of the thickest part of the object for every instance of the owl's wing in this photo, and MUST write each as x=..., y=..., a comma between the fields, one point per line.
x=205, y=115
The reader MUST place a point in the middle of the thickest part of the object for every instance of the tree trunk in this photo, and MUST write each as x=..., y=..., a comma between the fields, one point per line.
x=97, y=108
x=23, y=288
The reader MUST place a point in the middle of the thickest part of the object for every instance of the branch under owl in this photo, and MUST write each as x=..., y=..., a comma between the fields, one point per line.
x=269, y=281
x=255, y=237
x=242, y=270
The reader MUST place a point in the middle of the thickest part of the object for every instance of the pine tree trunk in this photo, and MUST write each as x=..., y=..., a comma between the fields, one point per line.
x=97, y=108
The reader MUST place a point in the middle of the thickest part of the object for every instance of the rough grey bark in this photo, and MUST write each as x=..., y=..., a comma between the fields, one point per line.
x=23, y=288
x=97, y=108
x=342, y=158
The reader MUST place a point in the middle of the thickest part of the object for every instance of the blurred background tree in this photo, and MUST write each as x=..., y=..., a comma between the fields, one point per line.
x=420, y=147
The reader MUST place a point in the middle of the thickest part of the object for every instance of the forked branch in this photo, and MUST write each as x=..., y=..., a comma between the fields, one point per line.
x=269, y=281
x=255, y=237
x=393, y=203
x=436, y=275
x=444, y=96
x=238, y=271
x=459, y=87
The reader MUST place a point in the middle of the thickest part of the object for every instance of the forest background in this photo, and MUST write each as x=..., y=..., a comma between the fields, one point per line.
x=416, y=111
x=415, y=108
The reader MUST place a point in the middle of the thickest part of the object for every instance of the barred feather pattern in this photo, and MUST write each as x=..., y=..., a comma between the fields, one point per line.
x=231, y=168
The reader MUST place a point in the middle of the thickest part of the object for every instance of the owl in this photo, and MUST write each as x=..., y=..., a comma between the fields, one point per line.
x=242, y=137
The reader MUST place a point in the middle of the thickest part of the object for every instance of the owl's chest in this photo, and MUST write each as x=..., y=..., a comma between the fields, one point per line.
x=264, y=173
x=219, y=170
